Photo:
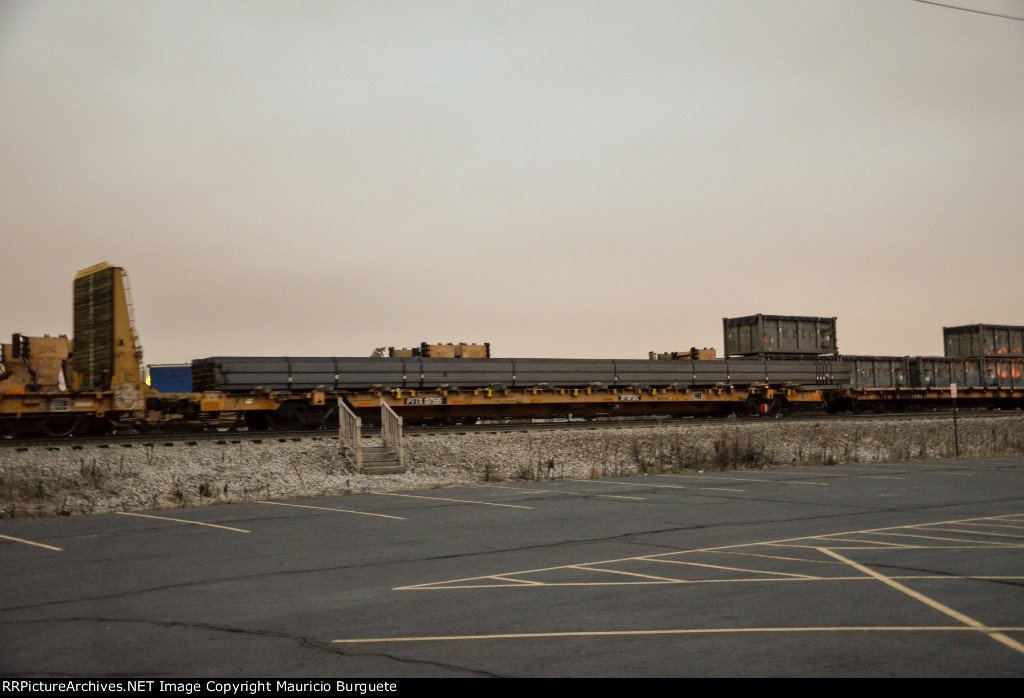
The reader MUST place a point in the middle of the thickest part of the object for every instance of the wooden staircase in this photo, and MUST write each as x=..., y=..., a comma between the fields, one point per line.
x=387, y=459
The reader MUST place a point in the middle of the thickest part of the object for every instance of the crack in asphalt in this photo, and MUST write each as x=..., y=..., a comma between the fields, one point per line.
x=404, y=660
x=306, y=642
x=943, y=573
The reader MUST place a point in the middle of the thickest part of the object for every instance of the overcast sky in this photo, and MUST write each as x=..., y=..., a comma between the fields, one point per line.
x=572, y=179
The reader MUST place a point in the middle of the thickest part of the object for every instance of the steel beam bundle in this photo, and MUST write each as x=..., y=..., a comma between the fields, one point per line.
x=236, y=374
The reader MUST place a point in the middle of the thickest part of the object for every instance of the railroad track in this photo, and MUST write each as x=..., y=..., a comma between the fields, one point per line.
x=130, y=440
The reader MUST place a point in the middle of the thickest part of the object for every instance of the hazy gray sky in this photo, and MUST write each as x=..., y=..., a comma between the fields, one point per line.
x=576, y=179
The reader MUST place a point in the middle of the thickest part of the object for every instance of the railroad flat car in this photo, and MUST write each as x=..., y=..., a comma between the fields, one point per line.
x=49, y=385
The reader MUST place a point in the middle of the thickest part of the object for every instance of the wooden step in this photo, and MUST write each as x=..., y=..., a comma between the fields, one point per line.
x=394, y=469
x=377, y=453
x=379, y=460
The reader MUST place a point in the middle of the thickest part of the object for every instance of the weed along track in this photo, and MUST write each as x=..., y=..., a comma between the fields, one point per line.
x=70, y=479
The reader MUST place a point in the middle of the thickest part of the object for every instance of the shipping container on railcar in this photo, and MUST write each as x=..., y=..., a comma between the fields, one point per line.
x=983, y=372
x=879, y=371
x=772, y=336
x=941, y=372
x=972, y=341
x=1003, y=372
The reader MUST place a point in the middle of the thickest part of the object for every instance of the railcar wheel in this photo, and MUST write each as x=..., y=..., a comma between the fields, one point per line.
x=755, y=406
x=839, y=405
x=278, y=422
x=62, y=425
x=256, y=421
x=749, y=409
x=101, y=425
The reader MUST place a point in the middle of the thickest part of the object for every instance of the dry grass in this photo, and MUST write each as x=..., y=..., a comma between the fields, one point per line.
x=44, y=482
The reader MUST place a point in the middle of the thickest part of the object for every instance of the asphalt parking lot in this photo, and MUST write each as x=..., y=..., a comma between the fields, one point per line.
x=900, y=569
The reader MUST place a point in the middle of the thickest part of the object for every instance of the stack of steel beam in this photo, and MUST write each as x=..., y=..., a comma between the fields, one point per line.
x=240, y=374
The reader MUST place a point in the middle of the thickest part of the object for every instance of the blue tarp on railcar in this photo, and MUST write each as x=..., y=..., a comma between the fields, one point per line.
x=171, y=378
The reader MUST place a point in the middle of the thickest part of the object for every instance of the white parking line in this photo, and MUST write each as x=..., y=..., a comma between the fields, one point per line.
x=28, y=542
x=578, y=494
x=446, y=499
x=346, y=511
x=942, y=608
x=184, y=521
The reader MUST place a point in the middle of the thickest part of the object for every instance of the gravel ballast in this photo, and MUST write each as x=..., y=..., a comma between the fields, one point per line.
x=59, y=481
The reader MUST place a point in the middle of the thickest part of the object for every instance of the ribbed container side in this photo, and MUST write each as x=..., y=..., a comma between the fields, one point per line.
x=879, y=371
x=983, y=340
x=940, y=372
x=765, y=335
x=1003, y=372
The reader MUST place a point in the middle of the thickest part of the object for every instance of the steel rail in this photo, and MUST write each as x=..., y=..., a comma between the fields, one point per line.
x=126, y=440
